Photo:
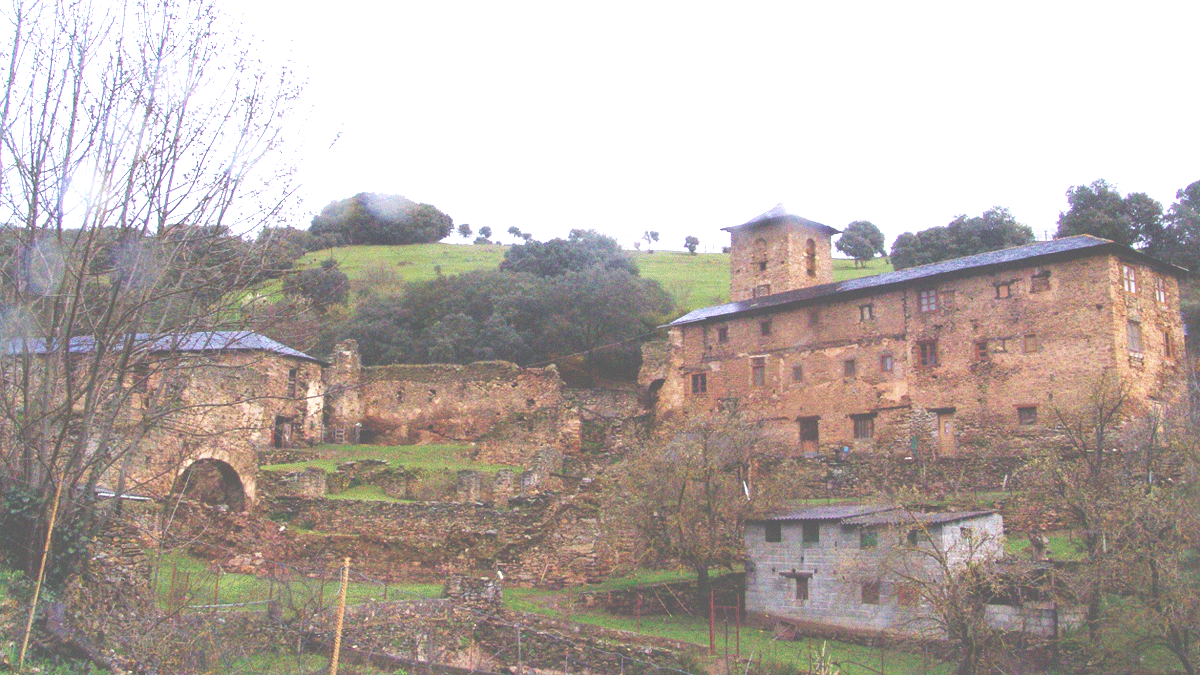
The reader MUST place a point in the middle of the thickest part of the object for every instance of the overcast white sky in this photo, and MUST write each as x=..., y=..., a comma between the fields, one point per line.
x=687, y=117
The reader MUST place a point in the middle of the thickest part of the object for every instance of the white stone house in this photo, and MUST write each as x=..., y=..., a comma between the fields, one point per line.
x=853, y=566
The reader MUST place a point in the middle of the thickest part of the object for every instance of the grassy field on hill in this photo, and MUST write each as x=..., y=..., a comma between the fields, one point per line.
x=694, y=280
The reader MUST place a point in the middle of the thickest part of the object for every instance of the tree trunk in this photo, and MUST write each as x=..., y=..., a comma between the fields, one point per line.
x=703, y=588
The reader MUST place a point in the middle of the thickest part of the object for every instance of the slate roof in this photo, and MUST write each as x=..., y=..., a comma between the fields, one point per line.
x=830, y=512
x=902, y=516
x=780, y=213
x=867, y=514
x=1030, y=254
x=206, y=341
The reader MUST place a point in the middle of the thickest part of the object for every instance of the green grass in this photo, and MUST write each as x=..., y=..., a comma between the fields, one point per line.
x=424, y=457
x=363, y=493
x=754, y=642
x=1062, y=546
x=694, y=280
x=199, y=585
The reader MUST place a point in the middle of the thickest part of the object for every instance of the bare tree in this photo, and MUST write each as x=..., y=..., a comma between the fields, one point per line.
x=688, y=495
x=133, y=148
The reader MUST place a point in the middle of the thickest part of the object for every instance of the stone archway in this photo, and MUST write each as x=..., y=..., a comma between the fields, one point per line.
x=211, y=481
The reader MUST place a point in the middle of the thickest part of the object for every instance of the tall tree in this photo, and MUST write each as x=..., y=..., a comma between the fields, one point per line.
x=1100, y=210
x=135, y=149
x=861, y=240
x=994, y=230
x=690, y=243
x=369, y=218
x=580, y=250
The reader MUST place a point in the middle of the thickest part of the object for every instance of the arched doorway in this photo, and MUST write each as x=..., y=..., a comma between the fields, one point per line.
x=213, y=482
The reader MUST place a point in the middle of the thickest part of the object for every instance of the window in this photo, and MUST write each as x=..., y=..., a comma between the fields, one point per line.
x=1160, y=289
x=723, y=334
x=291, y=389
x=764, y=328
x=1004, y=290
x=981, y=350
x=1040, y=282
x=1027, y=415
x=868, y=538
x=761, y=290
x=1168, y=350
x=797, y=373
x=866, y=312
x=699, y=383
x=914, y=535
x=774, y=532
x=870, y=593
x=908, y=594
x=801, y=589
x=885, y=363
x=812, y=532
x=758, y=371
x=928, y=352
x=1133, y=330
x=927, y=300
x=1129, y=278
x=810, y=258
x=849, y=368
x=762, y=265
x=864, y=426
x=967, y=532
x=1030, y=344
x=141, y=376
x=814, y=317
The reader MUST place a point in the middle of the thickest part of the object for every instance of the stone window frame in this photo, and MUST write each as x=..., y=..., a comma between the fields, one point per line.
x=927, y=300
x=850, y=368
x=810, y=532
x=1129, y=278
x=1004, y=290
x=908, y=594
x=722, y=333
x=1030, y=344
x=981, y=350
x=758, y=371
x=1039, y=282
x=927, y=353
x=1160, y=289
x=1133, y=334
x=864, y=426
x=814, y=317
x=762, y=290
x=773, y=532
x=866, y=312
x=293, y=374
x=764, y=328
x=797, y=373
x=1027, y=415
x=1168, y=347
x=871, y=592
x=810, y=258
x=887, y=363
x=868, y=538
x=801, y=589
x=699, y=383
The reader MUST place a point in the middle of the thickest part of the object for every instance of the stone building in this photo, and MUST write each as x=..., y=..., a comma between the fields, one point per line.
x=862, y=567
x=942, y=358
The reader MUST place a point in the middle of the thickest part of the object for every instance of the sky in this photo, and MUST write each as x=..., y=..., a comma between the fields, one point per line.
x=686, y=117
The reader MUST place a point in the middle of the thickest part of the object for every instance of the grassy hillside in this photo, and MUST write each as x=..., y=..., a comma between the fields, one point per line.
x=694, y=280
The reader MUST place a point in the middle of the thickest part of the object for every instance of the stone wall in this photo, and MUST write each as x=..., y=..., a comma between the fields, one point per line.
x=504, y=409
x=545, y=541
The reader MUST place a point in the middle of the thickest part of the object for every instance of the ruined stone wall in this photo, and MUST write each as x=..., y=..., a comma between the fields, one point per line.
x=508, y=411
x=227, y=405
x=547, y=541
x=1005, y=341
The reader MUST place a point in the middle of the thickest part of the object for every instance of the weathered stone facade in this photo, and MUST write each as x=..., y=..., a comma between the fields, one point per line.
x=950, y=357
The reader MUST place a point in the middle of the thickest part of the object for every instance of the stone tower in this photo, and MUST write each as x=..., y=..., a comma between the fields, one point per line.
x=778, y=251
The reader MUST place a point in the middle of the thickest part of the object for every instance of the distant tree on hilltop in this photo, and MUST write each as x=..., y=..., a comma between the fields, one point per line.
x=579, y=251
x=861, y=240
x=369, y=218
x=963, y=236
x=1100, y=210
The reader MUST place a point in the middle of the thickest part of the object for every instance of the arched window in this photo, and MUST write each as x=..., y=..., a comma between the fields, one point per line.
x=810, y=258
x=760, y=255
